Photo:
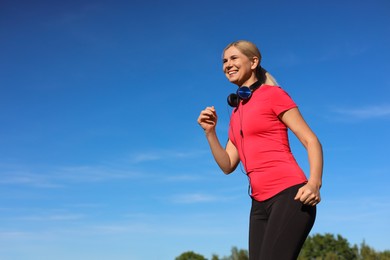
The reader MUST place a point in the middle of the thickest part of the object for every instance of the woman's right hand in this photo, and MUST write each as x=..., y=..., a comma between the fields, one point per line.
x=208, y=119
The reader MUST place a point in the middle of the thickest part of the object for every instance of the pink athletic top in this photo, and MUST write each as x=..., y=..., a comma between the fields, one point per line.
x=262, y=142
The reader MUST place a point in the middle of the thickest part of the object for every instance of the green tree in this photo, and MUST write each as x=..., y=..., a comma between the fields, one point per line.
x=368, y=253
x=214, y=257
x=316, y=247
x=385, y=255
x=327, y=247
x=237, y=254
x=190, y=255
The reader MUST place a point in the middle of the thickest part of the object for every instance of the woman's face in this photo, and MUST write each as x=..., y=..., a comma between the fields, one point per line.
x=238, y=68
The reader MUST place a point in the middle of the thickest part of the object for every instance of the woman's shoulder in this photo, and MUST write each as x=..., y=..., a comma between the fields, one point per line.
x=275, y=92
x=273, y=89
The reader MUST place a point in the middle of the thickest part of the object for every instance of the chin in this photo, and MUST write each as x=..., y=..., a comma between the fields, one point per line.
x=234, y=81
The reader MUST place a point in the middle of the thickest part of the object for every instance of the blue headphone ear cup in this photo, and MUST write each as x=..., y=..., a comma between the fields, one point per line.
x=233, y=100
x=244, y=92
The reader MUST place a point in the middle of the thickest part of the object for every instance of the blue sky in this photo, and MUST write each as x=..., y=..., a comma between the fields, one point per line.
x=100, y=153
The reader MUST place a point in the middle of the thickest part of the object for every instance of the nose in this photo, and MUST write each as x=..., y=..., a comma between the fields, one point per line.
x=228, y=64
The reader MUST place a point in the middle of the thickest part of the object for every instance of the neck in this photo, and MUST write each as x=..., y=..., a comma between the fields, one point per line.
x=255, y=85
x=249, y=82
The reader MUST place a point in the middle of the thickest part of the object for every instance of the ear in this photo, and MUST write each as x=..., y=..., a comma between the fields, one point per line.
x=255, y=62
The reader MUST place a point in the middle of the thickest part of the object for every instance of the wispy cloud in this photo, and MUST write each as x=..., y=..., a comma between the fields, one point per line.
x=9, y=235
x=368, y=112
x=53, y=217
x=28, y=178
x=183, y=178
x=59, y=176
x=145, y=157
x=158, y=155
x=339, y=50
x=358, y=211
x=95, y=173
x=193, y=198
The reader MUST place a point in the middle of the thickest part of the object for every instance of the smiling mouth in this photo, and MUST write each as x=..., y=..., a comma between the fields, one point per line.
x=232, y=72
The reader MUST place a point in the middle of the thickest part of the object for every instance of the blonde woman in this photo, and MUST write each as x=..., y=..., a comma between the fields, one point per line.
x=283, y=199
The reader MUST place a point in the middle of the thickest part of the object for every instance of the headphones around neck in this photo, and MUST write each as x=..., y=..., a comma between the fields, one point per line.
x=243, y=93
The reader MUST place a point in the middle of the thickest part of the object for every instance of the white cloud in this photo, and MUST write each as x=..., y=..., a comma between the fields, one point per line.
x=20, y=177
x=54, y=217
x=183, y=178
x=369, y=112
x=193, y=198
x=59, y=176
x=158, y=155
x=146, y=157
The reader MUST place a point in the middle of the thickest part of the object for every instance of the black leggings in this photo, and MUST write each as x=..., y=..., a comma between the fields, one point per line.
x=279, y=226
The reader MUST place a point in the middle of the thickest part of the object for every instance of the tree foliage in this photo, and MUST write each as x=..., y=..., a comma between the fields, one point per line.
x=367, y=253
x=316, y=247
x=327, y=247
x=330, y=247
x=190, y=255
x=237, y=254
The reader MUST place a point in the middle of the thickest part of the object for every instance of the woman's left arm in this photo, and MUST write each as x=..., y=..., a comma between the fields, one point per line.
x=310, y=193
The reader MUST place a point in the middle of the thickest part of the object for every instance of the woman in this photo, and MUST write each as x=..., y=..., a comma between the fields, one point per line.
x=283, y=199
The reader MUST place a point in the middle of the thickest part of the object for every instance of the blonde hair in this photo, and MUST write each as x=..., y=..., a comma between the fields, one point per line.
x=250, y=50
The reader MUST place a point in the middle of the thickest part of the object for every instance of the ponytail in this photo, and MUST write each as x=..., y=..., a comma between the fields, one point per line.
x=265, y=77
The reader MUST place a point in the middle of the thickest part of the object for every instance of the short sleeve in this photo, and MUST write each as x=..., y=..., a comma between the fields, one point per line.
x=231, y=135
x=281, y=101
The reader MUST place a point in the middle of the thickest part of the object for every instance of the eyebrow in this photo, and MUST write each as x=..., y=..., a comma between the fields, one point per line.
x=232, y=56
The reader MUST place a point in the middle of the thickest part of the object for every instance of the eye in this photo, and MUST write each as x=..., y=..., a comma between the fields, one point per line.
x=224, y=60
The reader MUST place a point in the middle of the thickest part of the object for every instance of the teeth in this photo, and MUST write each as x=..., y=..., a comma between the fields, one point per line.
x=232, y=72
